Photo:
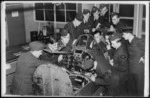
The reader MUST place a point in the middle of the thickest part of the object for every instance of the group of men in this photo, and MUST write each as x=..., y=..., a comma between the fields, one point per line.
x=125, y=52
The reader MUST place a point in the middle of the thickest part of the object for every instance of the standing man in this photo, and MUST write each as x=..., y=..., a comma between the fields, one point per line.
x=104, y=15
x=136, y=51
x=117, y=24
x=120, y=65
x=26, y=65
x=87, y=22
x=72, y=27
x=95, y=18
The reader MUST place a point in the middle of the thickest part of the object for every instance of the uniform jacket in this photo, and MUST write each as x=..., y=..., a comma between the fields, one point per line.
x=120, y=59
x=119, y=27
x=101, y=46
x=87, y=25
x=75, y=32
x=95, y=22
x=119, y=71
x=136, y=50
x=104, y=20
x=22, y=81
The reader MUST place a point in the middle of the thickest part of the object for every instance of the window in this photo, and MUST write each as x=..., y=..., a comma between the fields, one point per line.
x=143, y=21
x=63, y=12
x=126, y=12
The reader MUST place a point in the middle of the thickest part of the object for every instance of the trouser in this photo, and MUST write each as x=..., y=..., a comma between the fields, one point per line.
x=137, y=76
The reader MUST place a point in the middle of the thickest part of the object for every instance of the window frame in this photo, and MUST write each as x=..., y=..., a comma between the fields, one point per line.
x=44, y=21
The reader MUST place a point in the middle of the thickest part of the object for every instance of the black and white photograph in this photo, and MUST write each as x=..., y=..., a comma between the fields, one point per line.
x=75, y=48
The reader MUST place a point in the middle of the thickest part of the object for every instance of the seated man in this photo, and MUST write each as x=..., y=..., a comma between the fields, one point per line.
x=64, y=44
x=100, y=44
x=26, y=65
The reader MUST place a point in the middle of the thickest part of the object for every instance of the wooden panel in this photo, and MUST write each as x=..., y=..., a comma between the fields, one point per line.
x=15, y=24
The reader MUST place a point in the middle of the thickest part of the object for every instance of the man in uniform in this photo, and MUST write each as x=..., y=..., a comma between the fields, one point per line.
x=117, y=24
x=104, y=16
x=87, y=22
x=26, y=65
x=95, y=18
x=99, y=45
x=64, y=44
x=120, y=65
x=136, y=51
x=73, y=27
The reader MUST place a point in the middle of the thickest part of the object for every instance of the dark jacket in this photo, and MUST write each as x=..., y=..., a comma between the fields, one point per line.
x=95, y=22
x=120, y=26
x=136, y=50
x=100, y=46
x=119, y=72
x=120, y=59
x=87, y=25
x=104, y=20
x=74, y=31
x=22, y=81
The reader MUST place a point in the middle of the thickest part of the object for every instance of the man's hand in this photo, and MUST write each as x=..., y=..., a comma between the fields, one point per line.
x=142, y=60
x=94, y=29
x=53, y=47
x=111, y=62
x=60, y=58
x=93, y=78
x=112, y=28
x=108, y=47
x=95, y=65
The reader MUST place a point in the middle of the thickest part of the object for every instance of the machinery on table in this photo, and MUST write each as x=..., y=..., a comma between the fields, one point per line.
x=71, y=75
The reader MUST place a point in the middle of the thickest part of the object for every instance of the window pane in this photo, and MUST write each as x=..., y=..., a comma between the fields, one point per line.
x=60, y=7
x=39, y=14
x=144, y=11
x=38, y=5
x=49, y=6
x=111, y=8
x=143, y=25
x=126, y=10
x=70, y=15
x=60, y=16
x=70, y=6
x=143, y=36
x=49, y=14
x=128, y=22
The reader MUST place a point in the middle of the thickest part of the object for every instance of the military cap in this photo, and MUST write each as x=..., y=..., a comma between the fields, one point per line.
x=94, y=9
x=115, y=36
x=36, y=45
x=79, y=17
x=64, y=32
x=86, y=11
x=127, y=30
x=103, y=5
x=114, y=13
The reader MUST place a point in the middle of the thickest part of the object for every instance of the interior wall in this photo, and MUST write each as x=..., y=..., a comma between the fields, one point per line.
x=30, y=24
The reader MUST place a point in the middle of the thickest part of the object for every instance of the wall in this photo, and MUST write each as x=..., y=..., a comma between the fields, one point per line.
x=30, y=24
x=87, y=6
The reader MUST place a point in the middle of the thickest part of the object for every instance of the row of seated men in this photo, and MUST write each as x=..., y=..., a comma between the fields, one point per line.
x=126, y=54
